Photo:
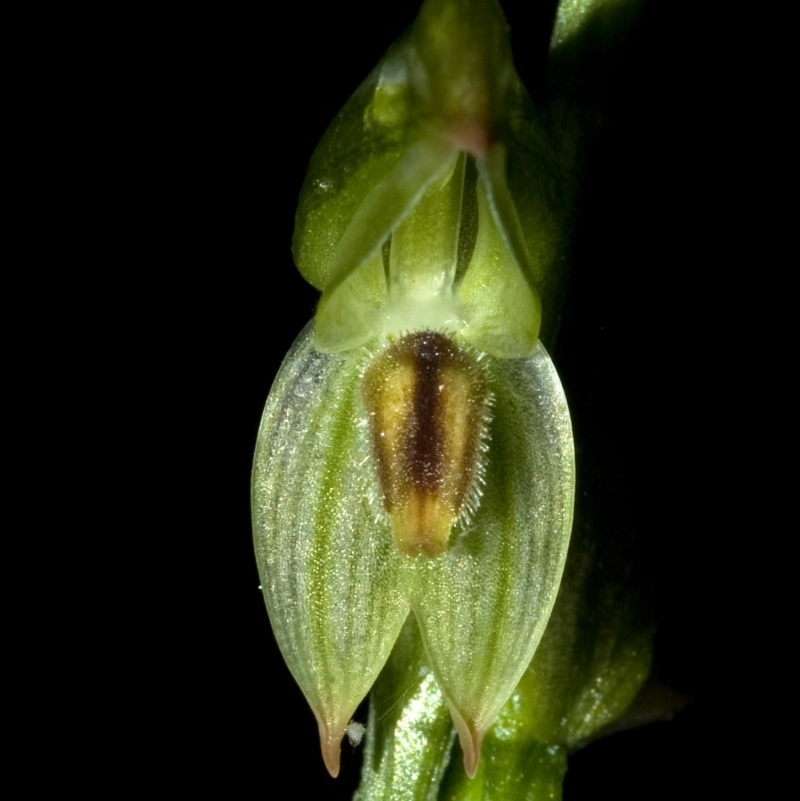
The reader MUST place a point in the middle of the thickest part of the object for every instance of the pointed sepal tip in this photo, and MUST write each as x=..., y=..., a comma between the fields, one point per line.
x=471, y=740
x=331, y=734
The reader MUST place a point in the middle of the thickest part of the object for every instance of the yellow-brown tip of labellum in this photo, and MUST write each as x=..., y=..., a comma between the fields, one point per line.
x=427, y=401
x=422, y=524
x=331, y=735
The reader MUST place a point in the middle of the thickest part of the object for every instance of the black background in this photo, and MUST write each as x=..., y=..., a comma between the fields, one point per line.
x=217, y=116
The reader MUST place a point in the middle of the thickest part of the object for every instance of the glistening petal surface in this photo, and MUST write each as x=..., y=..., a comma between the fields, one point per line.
x=483, y=606
x=330, y=580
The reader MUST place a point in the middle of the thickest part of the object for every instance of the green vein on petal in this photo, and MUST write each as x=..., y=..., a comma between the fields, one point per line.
x=331, y=577
x=483, y=606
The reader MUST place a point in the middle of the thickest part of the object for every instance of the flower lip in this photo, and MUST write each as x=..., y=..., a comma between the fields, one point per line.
x=427, y=401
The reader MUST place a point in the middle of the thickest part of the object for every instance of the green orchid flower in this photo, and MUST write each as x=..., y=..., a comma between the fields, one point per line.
x=415, y=455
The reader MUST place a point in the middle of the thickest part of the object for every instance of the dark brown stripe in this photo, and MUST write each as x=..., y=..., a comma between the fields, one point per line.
x=426, y=447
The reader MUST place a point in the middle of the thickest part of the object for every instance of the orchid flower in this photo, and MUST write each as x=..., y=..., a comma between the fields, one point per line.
x=415, y=458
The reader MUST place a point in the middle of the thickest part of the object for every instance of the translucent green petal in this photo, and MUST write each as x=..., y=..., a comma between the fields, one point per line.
x=483, y=606
x=424, y=249
x=524, y=182
x=366, y=140
x=351, y=313
x=423, y=257
x=330, y=575
x=355, y=291
x=498, y=295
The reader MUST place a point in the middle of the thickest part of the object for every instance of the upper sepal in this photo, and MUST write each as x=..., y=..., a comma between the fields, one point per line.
x=445, y=90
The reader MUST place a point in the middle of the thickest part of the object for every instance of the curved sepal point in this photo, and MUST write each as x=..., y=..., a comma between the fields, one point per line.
x=331, y=734
x=470, y=738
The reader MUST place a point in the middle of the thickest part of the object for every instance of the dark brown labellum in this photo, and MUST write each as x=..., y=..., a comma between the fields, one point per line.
x=427, y=400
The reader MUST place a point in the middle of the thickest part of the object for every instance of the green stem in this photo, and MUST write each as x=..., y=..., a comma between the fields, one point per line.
x=510, y=769
x=410, y=733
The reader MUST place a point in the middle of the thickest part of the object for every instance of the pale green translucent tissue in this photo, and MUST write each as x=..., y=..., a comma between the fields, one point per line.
x=424, y=108
x=338, y=590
